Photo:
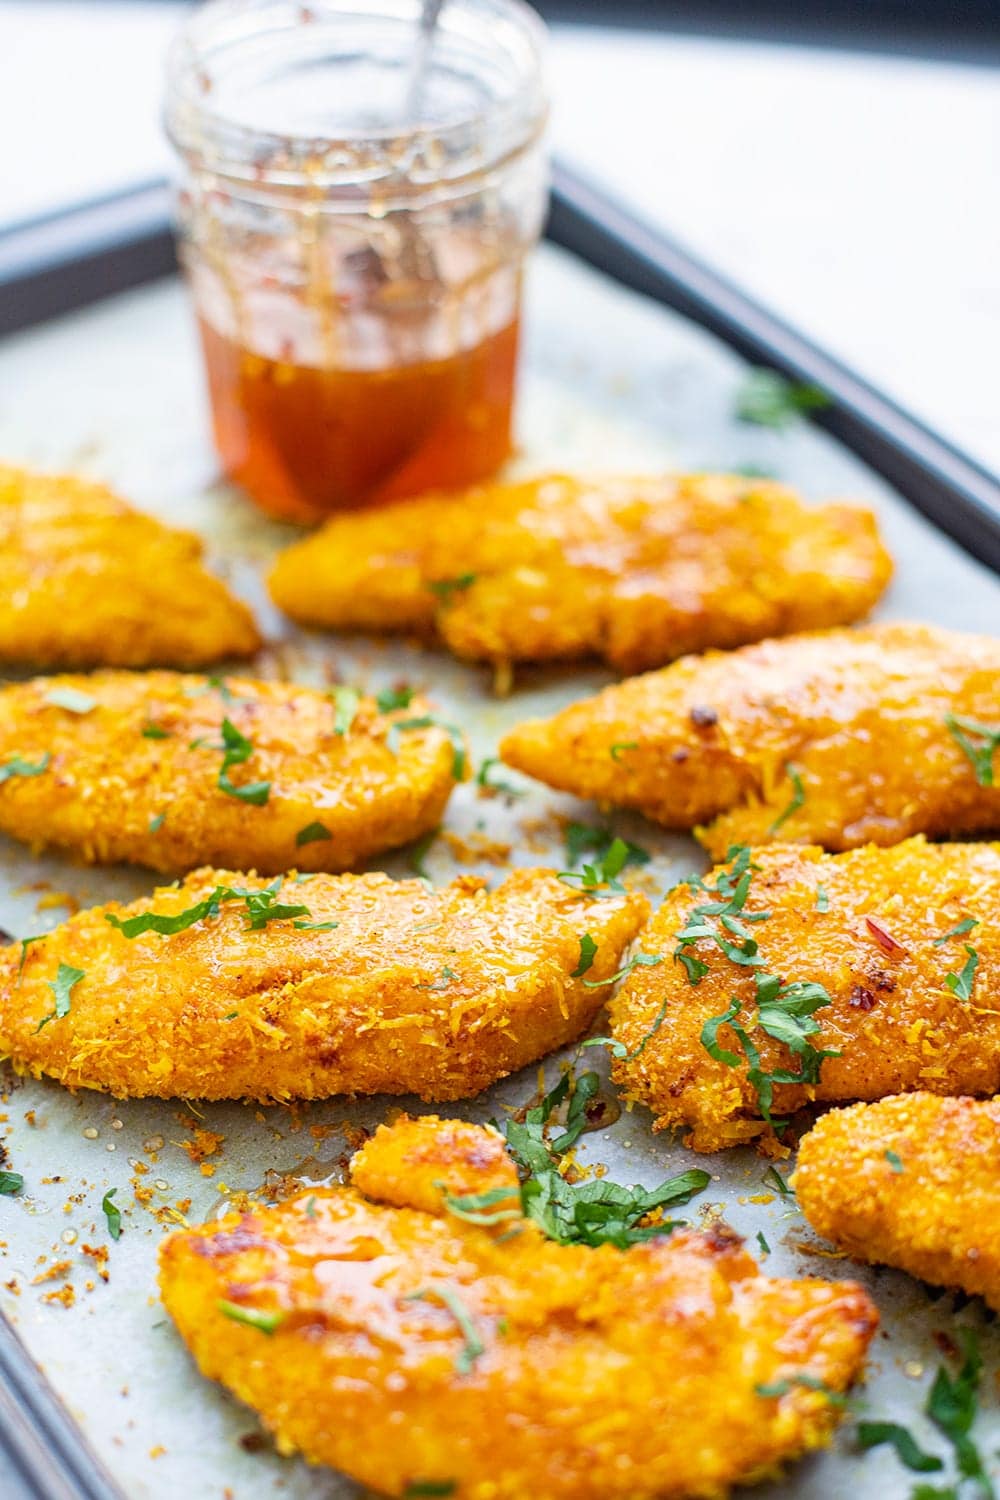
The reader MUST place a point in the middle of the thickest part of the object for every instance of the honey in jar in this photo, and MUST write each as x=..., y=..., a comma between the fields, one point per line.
x=354, y=235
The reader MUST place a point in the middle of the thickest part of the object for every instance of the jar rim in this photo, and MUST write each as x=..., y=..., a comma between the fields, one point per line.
x=418, y=153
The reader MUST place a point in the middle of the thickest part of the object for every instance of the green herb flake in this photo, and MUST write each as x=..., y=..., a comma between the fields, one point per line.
x=25, y=945
x=112, y=1214
x=822, y=898
x=640, y=961
x=237, y=750
x=154, y=732
x=481, y=1208
x=601, y=877
x=18, y=766
x=895, y=1161
x=262, y=906
x=496, y=783
x=71, y=699
x=767, y=399
x=773, y=1178
x=253, y=1317
x=620, y=746
x=591, y=838
x=960, y=928
x=472, y=1345
x=311, y=1208
x=315, y=926
x=977, y=742
x=11, y=1184
x=952, y=1404
x=908, y=1450
x=588, y=949
x=445, y=589
x=797, y=801
x=765, y=1248
x=155, y=824
x=429, y=1487
x=961, y=984
x=62, y=988
x=391, y=699
x=312, y=833
x=777, y=1388
x=345, y=708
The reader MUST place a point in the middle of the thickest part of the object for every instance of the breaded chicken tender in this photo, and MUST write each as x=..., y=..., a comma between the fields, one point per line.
x=912, y=1182
x=636, y=570
x=226, y=988
x=87, y=581
x=175, y=771
x=886, y=960
x=375, y=1331
x=840, y=738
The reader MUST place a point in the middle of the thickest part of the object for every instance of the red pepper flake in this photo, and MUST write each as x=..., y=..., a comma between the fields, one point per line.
x=885, y=939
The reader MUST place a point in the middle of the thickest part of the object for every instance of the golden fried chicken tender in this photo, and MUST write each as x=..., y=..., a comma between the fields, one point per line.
x=890, y=936
x=839, y=738
x=87, y=581
x=912, y=1182
x=174, y=771
x=425, y=1355
x=636, y=570
x=319, y=986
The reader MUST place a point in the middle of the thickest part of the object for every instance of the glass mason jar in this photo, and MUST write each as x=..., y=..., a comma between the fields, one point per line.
x=357, y=198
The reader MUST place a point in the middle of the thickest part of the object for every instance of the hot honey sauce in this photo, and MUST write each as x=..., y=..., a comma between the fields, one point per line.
x=305, y=441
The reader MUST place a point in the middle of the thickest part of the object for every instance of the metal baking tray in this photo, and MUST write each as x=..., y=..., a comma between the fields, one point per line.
x=611, y=380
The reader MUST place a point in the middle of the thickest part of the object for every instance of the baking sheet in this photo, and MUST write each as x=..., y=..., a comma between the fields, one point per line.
x=610, y=381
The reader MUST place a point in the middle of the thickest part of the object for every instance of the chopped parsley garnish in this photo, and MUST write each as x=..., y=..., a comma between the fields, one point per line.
x=978, y=742
x=112, y=1214
x=767, y=399
x=765, y=1248
x=604, y=872
x=154, y=732
x=445, y=589
x=908, y=1450
x=62, y=988
x=640, y=961
x=237, y=750
x=798, y=798
x=895, y=1161
x=25, y=945
x=951, y=1406
x=345, y=708
x=11, y=1184
x=590, y=838
x=785, y=1012
x=312, y=833
x=155, y=824
x=315, y=926
x=961, y=983
x=262, y=907
x=496, y=784
x=429, y=1487
x=621, y=745
x=966, y=925
x=703, y=921
x=472, y=1344
x=389, y=699
x=21, y=767
x=587, y=950
x=822, y=899
x=595, y=1211
x=71, y=699
x=773, y=1178
x=809, y=1382
x=481, y=1208
x=430, y=721
x=253, y=1317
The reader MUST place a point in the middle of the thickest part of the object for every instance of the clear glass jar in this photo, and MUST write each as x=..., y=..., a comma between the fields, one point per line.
x=353, y=228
